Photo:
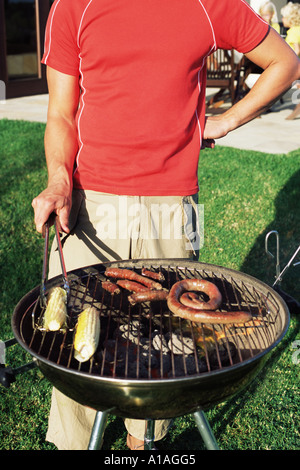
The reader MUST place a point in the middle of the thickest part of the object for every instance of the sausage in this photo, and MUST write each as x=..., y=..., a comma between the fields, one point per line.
x=192, y=300
x=205, y=315
x=210, y=316
x=158, y=276
x=110, y=287
x=131, y=285
x=121, y=273
x=148, y=295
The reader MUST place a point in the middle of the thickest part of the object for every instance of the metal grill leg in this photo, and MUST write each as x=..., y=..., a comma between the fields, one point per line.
x=149, y=434
x=205, y=431
x=98, y=430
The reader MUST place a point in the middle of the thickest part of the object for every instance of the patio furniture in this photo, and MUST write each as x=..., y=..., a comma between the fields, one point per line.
x=224, y=72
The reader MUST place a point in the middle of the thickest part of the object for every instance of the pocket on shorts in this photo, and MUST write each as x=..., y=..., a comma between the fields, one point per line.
x=192, y=225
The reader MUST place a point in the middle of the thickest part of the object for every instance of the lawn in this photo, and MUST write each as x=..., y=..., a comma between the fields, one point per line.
x=245, y=194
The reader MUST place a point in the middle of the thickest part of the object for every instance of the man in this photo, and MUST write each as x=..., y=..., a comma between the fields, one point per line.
x=126, y=121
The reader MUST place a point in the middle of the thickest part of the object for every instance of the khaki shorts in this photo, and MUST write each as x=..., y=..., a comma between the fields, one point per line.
x=106, y=227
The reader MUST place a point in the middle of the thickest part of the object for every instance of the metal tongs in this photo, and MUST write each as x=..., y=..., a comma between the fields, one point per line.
x=279, y=273
x=66, y=286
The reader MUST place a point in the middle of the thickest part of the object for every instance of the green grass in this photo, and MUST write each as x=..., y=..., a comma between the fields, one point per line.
x=245, y=194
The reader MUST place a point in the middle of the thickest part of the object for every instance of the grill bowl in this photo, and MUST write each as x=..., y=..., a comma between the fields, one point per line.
x=164, y=397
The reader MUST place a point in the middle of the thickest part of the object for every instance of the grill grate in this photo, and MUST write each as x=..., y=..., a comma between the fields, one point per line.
x=146, y=341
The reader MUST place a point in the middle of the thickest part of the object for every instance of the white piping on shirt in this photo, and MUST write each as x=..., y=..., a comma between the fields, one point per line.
x=212, y=29
x=250, y=8
x=196, y=112
x=50, y=32
x=80, y=24
x=212, y=49
x=83, y=88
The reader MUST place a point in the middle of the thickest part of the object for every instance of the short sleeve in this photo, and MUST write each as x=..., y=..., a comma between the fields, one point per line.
x=61, y=51
x=236, y=25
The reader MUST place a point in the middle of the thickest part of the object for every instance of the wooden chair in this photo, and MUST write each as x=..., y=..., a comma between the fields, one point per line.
x=223, y=73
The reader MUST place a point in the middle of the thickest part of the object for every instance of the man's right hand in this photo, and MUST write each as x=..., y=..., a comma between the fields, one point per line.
x=52, y=200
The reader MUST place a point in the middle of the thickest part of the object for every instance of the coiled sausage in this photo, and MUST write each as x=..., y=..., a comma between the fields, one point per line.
x=190, y=299
x=205, y=315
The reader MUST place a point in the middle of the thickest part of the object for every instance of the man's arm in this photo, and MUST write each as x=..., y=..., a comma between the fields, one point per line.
x=281, y=68
x=61, y=146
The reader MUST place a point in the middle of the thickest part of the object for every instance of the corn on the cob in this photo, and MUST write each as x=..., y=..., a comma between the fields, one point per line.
x=56, y=311
x=87, y=334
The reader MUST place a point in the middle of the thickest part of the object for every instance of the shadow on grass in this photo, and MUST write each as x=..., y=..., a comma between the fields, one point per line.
x=287, y=224
x=227, y=413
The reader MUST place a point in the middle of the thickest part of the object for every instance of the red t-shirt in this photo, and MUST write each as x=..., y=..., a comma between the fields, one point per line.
x=142, y=71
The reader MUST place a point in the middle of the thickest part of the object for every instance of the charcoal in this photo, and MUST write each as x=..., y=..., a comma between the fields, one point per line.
x=148, y=355
x=179, y=344
x=187, y=365
x=222, y=355
x=159, y=354
x=141, y=373
x=166, y=363
x=131, y=331
x=159, y=343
